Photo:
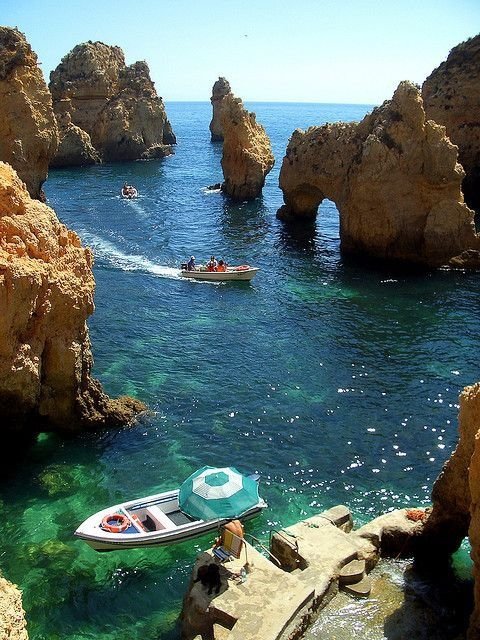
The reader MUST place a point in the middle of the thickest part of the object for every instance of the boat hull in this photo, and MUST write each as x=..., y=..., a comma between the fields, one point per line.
x=221, y=276
x=164, y=509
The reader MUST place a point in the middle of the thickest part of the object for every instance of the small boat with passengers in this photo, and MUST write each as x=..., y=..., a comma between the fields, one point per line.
x=129, y=192
x=202, y=272
x=208, y=499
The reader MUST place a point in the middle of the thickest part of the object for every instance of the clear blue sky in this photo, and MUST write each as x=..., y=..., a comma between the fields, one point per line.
x=281, y=50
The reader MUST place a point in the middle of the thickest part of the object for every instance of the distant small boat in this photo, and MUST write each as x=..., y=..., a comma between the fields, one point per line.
x=241, y=272
x=130, y=193
x=174, y=516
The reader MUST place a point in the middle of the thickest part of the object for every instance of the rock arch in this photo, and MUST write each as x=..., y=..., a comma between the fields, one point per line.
x=394, y=178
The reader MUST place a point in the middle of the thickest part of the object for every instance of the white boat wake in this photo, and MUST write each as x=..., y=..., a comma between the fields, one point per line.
x=117, y=259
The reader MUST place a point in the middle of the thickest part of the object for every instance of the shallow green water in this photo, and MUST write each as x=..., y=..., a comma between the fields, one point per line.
x=336, y=382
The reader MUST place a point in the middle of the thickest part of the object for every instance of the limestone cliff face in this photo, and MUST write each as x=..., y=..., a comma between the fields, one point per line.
x=247, y=153
x=220, y=89
x=46, y=296
x=394, y=178
x=451, y=95
x=114, y=104
x=13, y=625
x=75, y=146
x=449, y=521
x=28, y=131
x=471, y=414
x=456, y=499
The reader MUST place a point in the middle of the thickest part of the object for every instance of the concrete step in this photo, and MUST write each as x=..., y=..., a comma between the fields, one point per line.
x=360, y=589
x=352, y=572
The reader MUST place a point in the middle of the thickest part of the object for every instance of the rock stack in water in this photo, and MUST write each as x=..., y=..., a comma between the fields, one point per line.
x=220, y=89
x=107, y=110
x=247, y=152
x=395, y=180
x=28, y=131
x=451, y=95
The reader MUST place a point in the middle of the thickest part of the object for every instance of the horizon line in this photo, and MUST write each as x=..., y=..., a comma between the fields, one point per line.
x=361, y=104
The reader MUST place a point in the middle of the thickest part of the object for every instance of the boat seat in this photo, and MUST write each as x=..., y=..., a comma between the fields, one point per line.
x=162, y=521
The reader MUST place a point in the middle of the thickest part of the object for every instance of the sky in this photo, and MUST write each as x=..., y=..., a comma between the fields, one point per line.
x=350, y=51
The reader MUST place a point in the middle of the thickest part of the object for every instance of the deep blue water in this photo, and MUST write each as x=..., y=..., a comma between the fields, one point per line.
x=336, y=382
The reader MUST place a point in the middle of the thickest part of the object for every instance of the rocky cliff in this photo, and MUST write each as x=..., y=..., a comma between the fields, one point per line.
x=395, y=180
x=456, y=500
x=46, y=296
x=103, y=104
x=28, y=131
x=471, y=414
x=13, y=625
x=451, y=95
x=247, y=152
x=220, y=89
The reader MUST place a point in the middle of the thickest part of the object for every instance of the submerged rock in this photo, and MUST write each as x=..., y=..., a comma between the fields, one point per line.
x=247, y=152
x=115, y=105
x=451, y=95
x=220, y=89
x=28, y=131
x=394, y=178
x=46, y=296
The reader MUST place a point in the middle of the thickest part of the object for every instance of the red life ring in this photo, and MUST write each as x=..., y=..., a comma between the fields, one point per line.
x=242, y=267
x=115, y=523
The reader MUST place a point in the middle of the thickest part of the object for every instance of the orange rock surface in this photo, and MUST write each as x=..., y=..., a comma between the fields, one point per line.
x=247, y=152
x=394, y=178
x=220, y=89
x=28, y=130
x=46, y=296
x=13, y=625
x=451, y=95
x=115, y=105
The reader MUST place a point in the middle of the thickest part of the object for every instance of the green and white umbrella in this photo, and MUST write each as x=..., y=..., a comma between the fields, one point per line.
x=217, y=492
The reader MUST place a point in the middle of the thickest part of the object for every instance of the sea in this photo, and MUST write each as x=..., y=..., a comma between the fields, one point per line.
x=336, y=381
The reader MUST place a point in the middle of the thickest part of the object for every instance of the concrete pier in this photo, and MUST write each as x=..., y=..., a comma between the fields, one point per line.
x=276, y=596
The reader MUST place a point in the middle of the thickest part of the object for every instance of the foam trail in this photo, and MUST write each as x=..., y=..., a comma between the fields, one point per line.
x=124, y=261
x=137, y=207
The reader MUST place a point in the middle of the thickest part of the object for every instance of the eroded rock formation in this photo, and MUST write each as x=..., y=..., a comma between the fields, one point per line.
x=471, y=414
x=46, y=296
x=220, y=89
x=451, y=95
x=395, y=180
x=13, y=625
x=28, y=131
x=114, y=105
x=456, y=499
x=247, y=153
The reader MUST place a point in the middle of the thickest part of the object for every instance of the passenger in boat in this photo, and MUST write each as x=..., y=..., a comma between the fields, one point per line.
x=212, y=264
x=221, y=266
x=191, y=264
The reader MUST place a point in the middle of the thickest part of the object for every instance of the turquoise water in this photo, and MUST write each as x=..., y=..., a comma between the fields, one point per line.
x=338, y=383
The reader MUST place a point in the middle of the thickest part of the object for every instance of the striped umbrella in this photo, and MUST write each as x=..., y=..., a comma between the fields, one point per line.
x=217, y=492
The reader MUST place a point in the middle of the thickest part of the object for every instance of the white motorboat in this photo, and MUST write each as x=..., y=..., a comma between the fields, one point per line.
x=129, y=193
x=241, y=272
x=151, y=521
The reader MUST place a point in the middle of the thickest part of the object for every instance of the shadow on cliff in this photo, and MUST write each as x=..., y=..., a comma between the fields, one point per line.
x=437, y=606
